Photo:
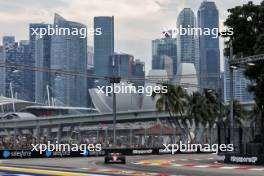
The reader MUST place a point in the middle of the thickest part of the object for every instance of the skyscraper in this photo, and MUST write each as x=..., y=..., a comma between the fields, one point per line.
x=69, y=53
x=90, y=84
x=208, y=17
x=30, y=61
x=42, y=58
x=139, y=72
x=13, y=79
x=240, y=85
x=187, y=49
x=103, y=45
x=2, y=72
x=24, y=48
x=164, y=47
x=121, y=64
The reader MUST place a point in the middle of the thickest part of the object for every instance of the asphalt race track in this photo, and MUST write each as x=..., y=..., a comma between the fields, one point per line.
x=153, y=165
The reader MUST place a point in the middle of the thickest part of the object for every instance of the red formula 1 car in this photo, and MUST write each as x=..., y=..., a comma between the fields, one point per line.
x=115, y=158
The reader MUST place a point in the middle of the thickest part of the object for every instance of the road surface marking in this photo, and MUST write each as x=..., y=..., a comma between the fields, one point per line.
x=170, y=163
x=45, y=172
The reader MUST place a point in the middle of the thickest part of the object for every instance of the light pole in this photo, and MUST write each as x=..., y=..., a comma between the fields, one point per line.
x=231, y=68
x=113, y=81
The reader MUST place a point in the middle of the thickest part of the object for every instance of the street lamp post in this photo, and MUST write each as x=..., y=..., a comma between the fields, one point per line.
x=231, y=96
x=113, y=81
x=220, y=115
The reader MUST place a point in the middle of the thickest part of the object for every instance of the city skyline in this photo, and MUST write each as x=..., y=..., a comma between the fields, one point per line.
x=134, y=31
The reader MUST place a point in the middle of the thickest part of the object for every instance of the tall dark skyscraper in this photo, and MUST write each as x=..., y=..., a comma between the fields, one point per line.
x=69, y=53
x=30, y=75
x=164, y=47
x=103, y=45
x=208, y=17
x=42, y=59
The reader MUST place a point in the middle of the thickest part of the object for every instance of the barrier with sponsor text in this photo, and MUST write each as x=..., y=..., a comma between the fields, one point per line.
x=12, y=154
x=241, y=159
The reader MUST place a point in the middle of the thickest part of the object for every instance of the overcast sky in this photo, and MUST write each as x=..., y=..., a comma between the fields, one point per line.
x=137, y=22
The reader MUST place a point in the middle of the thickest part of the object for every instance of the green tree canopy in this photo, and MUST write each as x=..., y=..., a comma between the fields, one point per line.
x=247, y=22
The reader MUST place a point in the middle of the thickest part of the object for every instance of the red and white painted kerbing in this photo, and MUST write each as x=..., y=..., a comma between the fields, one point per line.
x=172, y=164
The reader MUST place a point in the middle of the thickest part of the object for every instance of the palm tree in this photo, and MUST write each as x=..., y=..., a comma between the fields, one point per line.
x=203, y=108
x=214, y=106
x=173, y=102
x=197, y=107
x=239, y=112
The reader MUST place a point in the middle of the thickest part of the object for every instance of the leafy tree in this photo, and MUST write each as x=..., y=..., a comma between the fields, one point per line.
x=247, y=22
x=259, y=46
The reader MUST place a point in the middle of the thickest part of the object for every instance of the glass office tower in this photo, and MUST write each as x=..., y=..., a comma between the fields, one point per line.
x=187, y=43
x=208, y=17
x=69, y=53
x=42, y=59
x=164, y=47
x=103, y=45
